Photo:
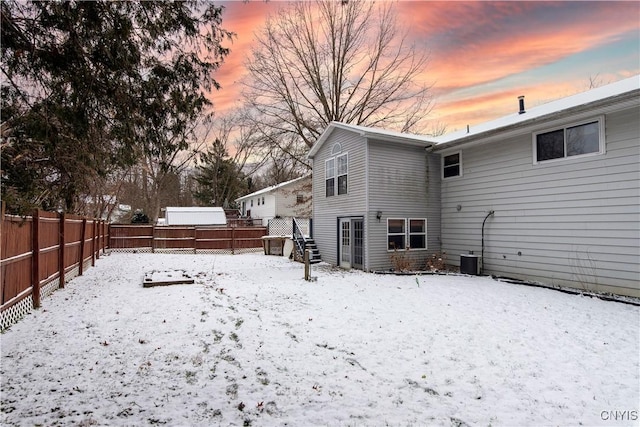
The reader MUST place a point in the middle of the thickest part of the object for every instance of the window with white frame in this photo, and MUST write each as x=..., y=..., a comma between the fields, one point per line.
x=396, y=233
x=299, y=198
x=452, y=165
x=343, y=167
x=585, y=138
x=251, y=202
x=403, y=233
x=417, y=233
x=329, y=177
x=336, y=171
x=263, y=200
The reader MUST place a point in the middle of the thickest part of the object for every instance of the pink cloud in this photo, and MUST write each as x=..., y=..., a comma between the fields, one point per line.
x=470, y=44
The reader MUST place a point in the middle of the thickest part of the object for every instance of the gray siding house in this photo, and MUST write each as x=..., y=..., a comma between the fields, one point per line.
x=557, y=188
x=375, y=193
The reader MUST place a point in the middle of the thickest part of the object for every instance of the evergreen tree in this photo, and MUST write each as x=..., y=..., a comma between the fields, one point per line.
x=89, y=86
x=219, y=181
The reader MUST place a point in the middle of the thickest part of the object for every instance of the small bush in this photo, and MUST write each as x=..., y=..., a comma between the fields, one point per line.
x=401, y=261
x=437, y=262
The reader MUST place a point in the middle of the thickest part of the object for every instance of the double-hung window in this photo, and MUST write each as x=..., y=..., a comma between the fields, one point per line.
x=405, y=233
x=336, y=171
x=330, y=177
x=580, y=139
x=418, y=233
x=396, y=233
x=452, y=165
x=343, y=168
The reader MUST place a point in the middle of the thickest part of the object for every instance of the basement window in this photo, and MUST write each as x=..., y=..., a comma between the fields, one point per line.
x=396, y=233
x=403, y=230
x=580, y=139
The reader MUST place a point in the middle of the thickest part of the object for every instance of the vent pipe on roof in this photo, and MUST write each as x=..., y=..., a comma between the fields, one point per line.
x=467, y=128
x=521, y=104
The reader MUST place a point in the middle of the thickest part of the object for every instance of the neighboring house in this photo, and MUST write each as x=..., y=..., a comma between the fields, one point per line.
x=556, y=186
x=375, y=193
x=285, y=200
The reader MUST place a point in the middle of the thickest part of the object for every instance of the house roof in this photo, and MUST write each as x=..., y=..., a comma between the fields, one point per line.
x=370, y=132
x=273, y=188
x=594, y=98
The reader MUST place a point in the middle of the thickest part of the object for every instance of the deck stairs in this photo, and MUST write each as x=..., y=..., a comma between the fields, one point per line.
x=303, y=243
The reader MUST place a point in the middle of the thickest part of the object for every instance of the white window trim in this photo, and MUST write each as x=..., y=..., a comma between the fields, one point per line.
x=327, y=177
x=338, y=175
x=396, y=234
x=459, y=153
x=601, y=135
x=335, y=174
x=407, y=234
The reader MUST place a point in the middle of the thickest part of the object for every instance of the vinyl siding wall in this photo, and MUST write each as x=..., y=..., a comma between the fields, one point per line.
x=404, y=182
x=571, y=222
x=285, y=199
x=327, y=209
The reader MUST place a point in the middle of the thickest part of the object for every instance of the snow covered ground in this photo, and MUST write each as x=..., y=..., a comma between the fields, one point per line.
x=252, y=343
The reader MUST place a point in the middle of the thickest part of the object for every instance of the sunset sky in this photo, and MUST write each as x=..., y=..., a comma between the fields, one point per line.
x=484, y=54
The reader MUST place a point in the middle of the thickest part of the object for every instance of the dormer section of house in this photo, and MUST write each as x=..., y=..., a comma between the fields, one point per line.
x=376, y=195
x=286, y=200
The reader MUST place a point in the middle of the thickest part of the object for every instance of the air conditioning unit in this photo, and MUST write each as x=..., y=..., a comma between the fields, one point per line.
x=469, y=264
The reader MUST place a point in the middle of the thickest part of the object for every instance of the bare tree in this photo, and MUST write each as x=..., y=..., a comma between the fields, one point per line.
x=323, y=61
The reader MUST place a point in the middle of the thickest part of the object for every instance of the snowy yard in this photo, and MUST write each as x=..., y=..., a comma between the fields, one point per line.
x=252, y=343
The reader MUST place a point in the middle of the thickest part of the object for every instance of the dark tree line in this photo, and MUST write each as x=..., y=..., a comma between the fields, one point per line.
x=90, y=89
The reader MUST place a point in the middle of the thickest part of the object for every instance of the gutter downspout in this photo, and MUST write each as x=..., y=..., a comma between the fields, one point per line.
x=483, y=223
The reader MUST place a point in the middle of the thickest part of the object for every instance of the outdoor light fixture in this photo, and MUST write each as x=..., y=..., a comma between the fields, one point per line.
x=379, y=215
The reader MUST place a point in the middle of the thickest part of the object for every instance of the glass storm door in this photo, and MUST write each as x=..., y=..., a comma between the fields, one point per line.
x=345, y=242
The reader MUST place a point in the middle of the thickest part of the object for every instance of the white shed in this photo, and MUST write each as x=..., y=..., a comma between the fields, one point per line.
x=194, y=215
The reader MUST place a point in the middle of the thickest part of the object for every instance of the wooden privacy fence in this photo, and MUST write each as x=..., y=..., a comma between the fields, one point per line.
x=196, y=239
x=39, y=253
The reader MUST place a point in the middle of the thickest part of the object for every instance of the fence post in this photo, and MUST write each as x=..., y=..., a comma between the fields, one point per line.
x=93, y=242
x=62, y=239
x=35, y=259
x=307, y=265
x=1, y=228
x=153, y=238
x=233, y=240
x=98, y=238
x=82, y=239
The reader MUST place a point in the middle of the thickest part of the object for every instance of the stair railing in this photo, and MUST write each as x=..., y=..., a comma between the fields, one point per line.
x=299, y=238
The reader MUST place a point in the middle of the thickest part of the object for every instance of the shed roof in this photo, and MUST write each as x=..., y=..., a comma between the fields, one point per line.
x=370, y=132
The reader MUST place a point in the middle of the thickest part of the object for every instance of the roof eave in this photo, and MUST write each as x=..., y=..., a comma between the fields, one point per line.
x=621, y=101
